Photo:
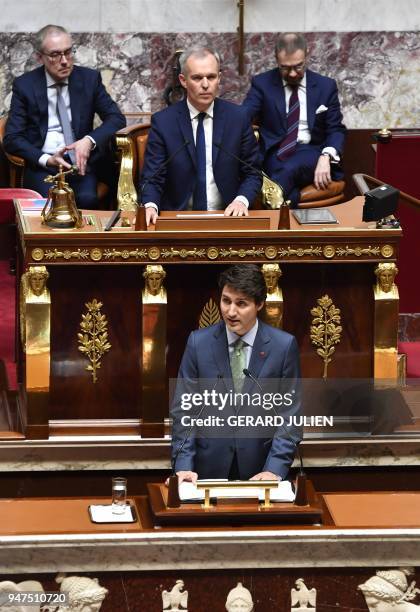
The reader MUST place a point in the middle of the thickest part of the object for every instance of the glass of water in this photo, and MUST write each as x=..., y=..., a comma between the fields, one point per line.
x=119, y=495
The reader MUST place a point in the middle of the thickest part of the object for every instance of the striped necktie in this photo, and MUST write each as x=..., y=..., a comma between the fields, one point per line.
x=288, y=144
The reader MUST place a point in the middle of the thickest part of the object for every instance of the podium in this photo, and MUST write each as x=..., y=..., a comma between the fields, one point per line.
x=118, y=307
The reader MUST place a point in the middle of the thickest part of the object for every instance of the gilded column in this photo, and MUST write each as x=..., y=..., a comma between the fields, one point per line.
x=386, y=322
x=154, y=379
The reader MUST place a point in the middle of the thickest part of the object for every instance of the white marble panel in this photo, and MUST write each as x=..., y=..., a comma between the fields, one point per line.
x=361, y=16
x=274, y=15
x=169, y=16
x=31, y=15
x=158, y=550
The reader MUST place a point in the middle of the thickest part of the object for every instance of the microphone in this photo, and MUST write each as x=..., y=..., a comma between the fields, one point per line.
x=112, y=221
x=248, y=374
x=162, y=166
x=219, y=378
x=247, y=164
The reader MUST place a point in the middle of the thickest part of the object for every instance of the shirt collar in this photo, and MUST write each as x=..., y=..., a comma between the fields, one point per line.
x=302, y=84
x=249, y=337
x=52, y=82
x=194, y=112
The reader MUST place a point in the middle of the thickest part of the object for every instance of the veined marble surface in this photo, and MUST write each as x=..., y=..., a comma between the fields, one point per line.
x=377, y=72
x=158, y=550
x=82, y=454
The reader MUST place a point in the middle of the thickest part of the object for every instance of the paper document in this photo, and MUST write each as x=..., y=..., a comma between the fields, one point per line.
x=104, y=514
x=283, y=493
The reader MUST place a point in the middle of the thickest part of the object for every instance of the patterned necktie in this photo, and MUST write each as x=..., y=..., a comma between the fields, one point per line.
x=238, y=363
x=288, y=144
x=200, y=191
x=65, y=121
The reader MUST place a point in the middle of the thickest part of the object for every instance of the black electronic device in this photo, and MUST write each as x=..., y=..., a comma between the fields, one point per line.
x=380, y=202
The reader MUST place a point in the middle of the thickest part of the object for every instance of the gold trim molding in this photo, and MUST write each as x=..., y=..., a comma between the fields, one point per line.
x=67, y=254
x=325, y=330
x=93, y=341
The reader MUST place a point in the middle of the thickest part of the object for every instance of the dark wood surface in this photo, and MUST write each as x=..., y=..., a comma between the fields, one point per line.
x=86, y=264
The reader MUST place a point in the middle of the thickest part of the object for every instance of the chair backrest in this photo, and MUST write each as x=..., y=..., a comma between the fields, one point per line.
x=131, y=143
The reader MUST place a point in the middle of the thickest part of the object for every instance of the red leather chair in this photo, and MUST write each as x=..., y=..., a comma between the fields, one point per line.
x=7, y=195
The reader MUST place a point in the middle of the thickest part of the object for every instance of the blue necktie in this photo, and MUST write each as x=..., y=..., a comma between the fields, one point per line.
x=200, y=191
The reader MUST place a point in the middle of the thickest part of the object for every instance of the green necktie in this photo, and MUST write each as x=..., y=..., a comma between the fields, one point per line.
x=238, y=363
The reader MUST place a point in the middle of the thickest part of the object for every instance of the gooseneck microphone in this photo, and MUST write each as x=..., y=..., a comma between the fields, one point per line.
x=162, y=166
x=247, y=164
x=187, y=435
x=248, y=374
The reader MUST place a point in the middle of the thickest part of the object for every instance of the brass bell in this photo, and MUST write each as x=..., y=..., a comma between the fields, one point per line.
x=60, y=210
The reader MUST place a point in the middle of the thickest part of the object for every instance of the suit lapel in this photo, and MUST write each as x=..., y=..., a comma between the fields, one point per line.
x=312, y=94
x=219, y=119
x=76, y=96
x=184, y=122
x=40, y=89
x=260, y=352
x=221, y=351
x=279, y=97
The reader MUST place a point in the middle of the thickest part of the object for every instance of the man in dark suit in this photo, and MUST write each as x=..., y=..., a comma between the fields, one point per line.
x=191, y=159
x=301, y=130
x=51, y=116
x=215, y=358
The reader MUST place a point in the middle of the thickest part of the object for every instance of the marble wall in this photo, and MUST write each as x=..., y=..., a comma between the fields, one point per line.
x=377, y=72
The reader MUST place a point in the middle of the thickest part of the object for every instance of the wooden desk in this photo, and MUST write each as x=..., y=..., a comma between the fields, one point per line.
x=90, y=264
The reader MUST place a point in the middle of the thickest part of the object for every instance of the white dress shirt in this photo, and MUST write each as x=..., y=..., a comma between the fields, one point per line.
x=54, y=139
x=214, y=198
x=248, y=338
x=304, y=135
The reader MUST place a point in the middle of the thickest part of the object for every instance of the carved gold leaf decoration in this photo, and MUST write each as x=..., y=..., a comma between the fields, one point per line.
x=325, y=329
x=93, y=341
x=209, y=315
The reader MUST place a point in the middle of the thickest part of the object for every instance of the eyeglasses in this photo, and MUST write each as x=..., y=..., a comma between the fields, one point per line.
x=297, y=68
x=55, y=56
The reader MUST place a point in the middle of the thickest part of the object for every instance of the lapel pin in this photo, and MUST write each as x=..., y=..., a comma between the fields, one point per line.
x=262, y=354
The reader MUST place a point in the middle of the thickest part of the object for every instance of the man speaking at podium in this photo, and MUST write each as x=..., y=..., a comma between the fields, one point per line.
x=241, y=350
x=201, y=152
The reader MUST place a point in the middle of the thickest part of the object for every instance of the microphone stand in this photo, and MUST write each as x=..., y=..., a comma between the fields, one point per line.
x=173, y=487
x=301, y=493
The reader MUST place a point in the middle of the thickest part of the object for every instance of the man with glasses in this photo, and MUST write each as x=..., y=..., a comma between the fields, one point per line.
x=298, y=111
x=51, y=116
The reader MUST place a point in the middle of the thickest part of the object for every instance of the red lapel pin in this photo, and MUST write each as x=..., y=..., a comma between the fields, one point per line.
x=262, y=354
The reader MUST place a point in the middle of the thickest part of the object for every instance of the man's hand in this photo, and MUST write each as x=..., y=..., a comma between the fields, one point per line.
x=187, y=476
x=82, y=149
x=236, y=209
x=151, y=215
x=58, y=160
x=265, y=476
x=322, y=177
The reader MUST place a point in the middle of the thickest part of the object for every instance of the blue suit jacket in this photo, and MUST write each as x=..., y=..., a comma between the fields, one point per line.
x=171, y=135
x=265, y=103
x=27, y=123
x=274, y=356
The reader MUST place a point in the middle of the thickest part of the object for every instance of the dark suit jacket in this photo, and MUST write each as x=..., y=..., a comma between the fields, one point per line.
x=206, y=357
x=265, y=103
x=27, y=123
x=171, y=138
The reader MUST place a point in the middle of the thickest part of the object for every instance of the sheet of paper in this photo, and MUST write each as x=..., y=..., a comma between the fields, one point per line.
x=283, y=493
x=104, y=514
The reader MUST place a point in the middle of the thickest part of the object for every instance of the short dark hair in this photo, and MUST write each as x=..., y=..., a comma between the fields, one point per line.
x=246, y=278
x=291, y=42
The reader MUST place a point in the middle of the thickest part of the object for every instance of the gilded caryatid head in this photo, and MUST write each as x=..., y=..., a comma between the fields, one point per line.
x=154, y=276
x=37, y=279
x=239, y=599
x=271, y=274
x=385, y=274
